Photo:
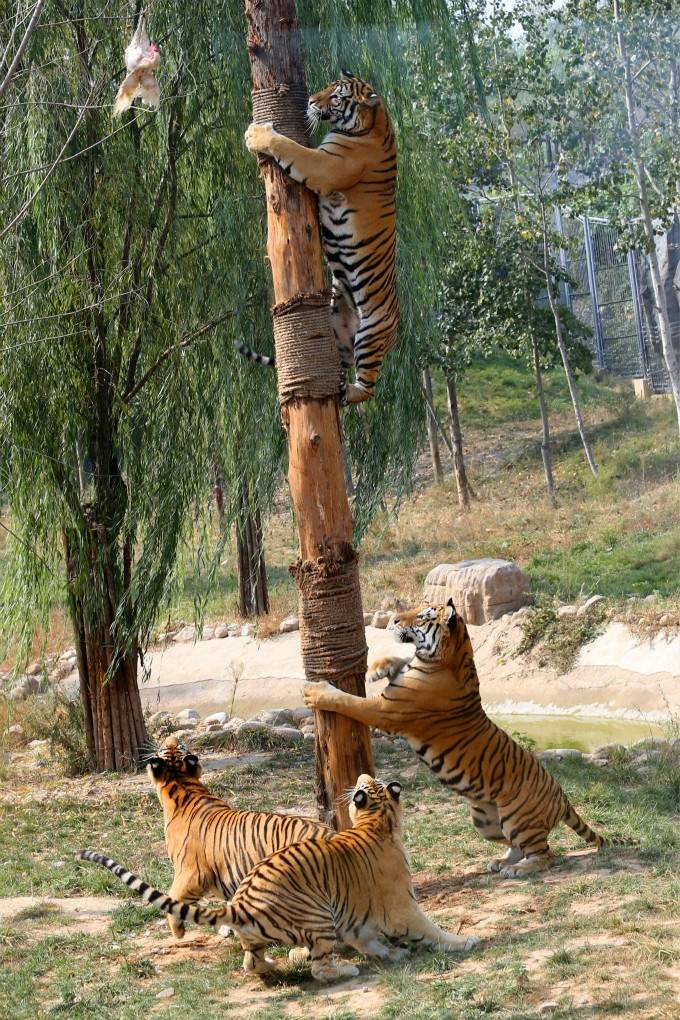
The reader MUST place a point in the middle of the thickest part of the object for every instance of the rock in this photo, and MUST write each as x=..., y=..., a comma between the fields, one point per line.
x=289, y=733
x=482, y=590
x=164, y=637
x=547, y=1007
x=70, y=653
x=158, y=718
x=651, y=742
x=63, y=668
x=560, y=754
x=221, y=630
x=208, y=633
x=368, y=619
x=299, y=715
x=599, y=762
x=186, y=732
x=647, y=757
x=275, y=717
x=391, y=602
x=308, y=737
x=607, y=751
x=35, y=668
x=216, y=717
x=187, y=714
x=567, y=611
x=381, y=619
x=185, y=634
x=234, y=725
x=40, y=746
x=650, y=598
x=665, y=620
x=247, y=630
x=15, y=733
x=23, y=687
x=522, y=612
x=254, y=726
x=290, y=624
x=166, y=993
x=589, y=604
x=234, y=630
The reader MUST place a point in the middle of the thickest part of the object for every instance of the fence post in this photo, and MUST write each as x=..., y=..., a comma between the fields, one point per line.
x=565, y=286
x=639, y=327
x=592, y=284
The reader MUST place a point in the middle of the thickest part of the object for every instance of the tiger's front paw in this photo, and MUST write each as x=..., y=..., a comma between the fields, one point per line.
x=389, y=667
x=259, y=137
x=318, y=694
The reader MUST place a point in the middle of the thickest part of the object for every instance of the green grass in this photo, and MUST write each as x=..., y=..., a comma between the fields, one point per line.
x=543, y=938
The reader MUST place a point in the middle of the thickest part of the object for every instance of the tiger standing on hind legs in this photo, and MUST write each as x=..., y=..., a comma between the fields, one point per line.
x=434, y=701
x=354, y=173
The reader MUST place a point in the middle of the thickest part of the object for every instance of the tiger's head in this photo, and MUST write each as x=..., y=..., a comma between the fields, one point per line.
x=349, y=103
x=372, y=797
x=173, y=761
x=438, y=632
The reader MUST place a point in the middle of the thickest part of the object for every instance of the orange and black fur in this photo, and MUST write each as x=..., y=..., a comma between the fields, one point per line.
x=434, y=702
x=354, y=173
x=352, y=888
x=213, y=846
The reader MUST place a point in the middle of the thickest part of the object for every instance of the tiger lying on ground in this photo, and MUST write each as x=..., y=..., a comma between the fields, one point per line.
x=354, y=173
x=434, y=702
x=351, y=888
x=213, y=846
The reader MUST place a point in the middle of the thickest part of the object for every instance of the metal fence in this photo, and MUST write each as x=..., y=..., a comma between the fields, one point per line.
x=608, y=295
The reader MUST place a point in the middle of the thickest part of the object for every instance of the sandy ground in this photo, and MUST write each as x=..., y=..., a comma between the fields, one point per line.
x=617, y=676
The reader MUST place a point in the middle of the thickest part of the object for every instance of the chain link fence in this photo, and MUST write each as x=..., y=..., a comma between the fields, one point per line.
x=609, y=296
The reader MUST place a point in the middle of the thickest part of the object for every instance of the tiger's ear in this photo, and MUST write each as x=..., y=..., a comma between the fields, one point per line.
x=450, y=614
x=360, y=799
x=191, y=763
x=394, y=789
x=156, y=766
x=372, y=99
x=347, y=74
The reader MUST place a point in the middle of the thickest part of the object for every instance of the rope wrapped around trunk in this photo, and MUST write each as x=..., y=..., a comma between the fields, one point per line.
x=286, y=107
x=307, y=359
x=330, y=615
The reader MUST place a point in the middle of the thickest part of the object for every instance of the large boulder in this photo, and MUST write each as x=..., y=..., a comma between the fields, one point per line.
x=481, y=590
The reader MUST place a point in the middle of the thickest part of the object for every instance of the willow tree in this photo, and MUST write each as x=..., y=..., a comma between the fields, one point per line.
x=123, y=283
x=127, y=276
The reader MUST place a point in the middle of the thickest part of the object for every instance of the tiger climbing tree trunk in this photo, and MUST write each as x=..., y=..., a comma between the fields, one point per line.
x=331, y=618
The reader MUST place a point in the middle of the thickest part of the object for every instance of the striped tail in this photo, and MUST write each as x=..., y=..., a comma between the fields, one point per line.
x=575, y=822
x=154, y=897
x=248, y=352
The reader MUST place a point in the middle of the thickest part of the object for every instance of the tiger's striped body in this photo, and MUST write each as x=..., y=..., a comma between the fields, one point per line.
x=351, y=888
x=434, y=702
x=354, y=173
x=213, y=846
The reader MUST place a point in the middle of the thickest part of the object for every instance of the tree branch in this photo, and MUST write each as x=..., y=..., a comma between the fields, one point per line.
x=4, y=85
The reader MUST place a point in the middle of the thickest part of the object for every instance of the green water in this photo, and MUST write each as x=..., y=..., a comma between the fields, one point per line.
x=576, y=731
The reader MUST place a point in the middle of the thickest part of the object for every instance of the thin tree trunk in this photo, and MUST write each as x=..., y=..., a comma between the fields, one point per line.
x=253, y=595
x=545, y=423
x=669, y=353
x=571, y=383
x=432, y=429
x=327, y=560
x=462, y=483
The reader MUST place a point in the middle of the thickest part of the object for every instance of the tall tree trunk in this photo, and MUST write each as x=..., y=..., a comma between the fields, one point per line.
x=571, y=383
x=331, y=617
x=253, y=595
x=669, y=352
x=462, y=483
x=545, y=423
x=432, y=429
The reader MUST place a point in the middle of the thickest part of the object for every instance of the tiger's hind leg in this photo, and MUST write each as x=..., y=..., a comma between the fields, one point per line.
x=324, y=965
x=412, y=925
x=532, y=842
x=374, y=947
x=186, y=892
x=511, y=856
x=487, y=822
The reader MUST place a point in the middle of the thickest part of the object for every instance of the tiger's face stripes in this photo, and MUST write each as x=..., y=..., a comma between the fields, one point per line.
x=436, y=705
x=354, y=173
x=347, y=103
x=213, y=846
x=351, y=888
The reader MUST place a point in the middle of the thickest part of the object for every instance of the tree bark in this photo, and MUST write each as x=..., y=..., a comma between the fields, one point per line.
x=432, y=429
x=315, y=471
x=462, y=483
x=253, y=594
x=669, y=353
x=545, y=423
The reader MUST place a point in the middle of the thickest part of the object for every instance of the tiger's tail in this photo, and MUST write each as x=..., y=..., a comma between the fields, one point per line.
x=182, y=911
x=248, y=352
x=575, y=822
